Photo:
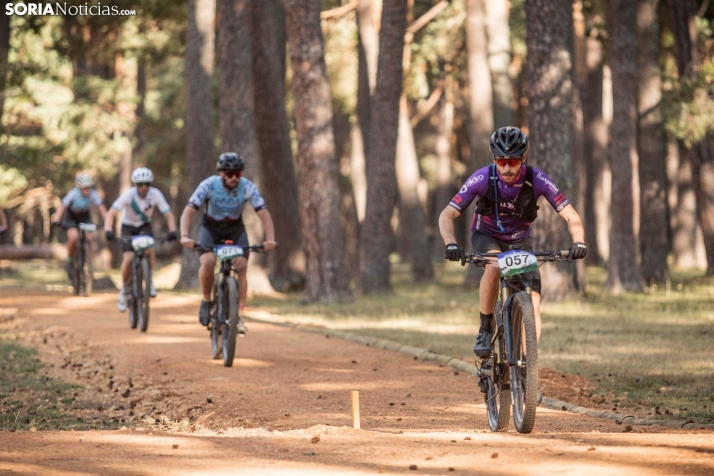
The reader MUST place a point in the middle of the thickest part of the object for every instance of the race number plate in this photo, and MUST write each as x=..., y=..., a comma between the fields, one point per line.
x=142, y=242
x=88, y=227
x=228, y=252
x=516, y=262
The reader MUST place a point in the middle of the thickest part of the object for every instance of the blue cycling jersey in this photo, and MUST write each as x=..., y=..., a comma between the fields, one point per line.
x=75, y=202
x=223, y=204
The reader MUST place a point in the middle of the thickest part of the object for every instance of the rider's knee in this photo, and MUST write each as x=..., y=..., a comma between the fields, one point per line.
x=241, y=264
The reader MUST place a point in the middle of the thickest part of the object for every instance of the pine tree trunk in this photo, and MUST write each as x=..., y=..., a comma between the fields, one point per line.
x=381, y=176
x=499, y=61
x=411, y=213
x=4, y=51
x=444, y=187
x=550, y=121
x=595, y=137
x=683, y=15
x=481, y=105
x=623, y=271
x=651, y=148
x=327, y=277
x=277, y=165
x=200, y=151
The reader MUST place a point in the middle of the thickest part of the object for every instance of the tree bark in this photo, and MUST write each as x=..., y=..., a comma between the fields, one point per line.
x=623, y=271
x=701, y=159
x=277, y=164
x=4, y=51
x=481, y=106
x=651, y=147
x=411, y=213
x=549, y=78
x=200, y=151
x=499, y=61
x=595, y=137
x=327, y=277
x=381, y=176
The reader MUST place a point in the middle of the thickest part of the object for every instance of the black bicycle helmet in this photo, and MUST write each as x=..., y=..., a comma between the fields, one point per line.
x=509, y=142
x=230, y=161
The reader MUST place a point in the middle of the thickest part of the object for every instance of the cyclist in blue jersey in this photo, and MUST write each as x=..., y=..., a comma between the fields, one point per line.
x=506, y=194
x=224, y=196
x=76, y=205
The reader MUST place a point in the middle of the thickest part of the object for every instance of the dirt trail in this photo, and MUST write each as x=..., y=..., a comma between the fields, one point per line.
x=285, y=389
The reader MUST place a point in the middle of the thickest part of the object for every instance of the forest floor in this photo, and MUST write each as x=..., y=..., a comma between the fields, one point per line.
x=156, y=403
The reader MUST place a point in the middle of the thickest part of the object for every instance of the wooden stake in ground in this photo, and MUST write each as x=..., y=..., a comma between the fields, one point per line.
x=355, y=409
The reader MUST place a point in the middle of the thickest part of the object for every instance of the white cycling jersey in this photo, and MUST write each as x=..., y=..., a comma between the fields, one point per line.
x=137, y=210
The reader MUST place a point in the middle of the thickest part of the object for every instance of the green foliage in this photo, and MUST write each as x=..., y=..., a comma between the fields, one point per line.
x=12, y=182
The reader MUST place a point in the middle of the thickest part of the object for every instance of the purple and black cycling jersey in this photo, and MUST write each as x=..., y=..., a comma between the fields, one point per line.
x=515, y=228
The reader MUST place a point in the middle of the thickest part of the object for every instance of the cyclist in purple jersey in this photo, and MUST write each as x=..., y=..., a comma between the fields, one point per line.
x=506, y=194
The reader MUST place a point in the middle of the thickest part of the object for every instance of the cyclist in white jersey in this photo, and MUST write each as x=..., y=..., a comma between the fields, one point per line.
x=76, y=205
x=138, y=204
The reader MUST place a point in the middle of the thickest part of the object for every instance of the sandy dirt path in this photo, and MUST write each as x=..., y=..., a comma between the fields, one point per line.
x=286, y=391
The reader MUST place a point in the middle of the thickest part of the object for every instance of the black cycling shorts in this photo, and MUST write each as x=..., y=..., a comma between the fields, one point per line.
x=483, y=243
x=72, y=220
x=129, y=231
x=217, y=233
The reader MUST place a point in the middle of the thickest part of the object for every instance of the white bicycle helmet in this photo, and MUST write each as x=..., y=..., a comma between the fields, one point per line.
x=142, y=174
x=83, y=181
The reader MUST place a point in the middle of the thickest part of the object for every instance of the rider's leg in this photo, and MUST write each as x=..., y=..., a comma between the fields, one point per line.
x=127, y=259
x=152, y=258
x=488, y=289
x=72, y=237
x=535, y=297
x=205, y=274
x=241, y=264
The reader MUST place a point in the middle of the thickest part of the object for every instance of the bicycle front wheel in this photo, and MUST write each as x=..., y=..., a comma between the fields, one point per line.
x=230, y=320
x=86, y=271
x=216, y=319
x=498, y=396
x=144, y=290
x=524, y=375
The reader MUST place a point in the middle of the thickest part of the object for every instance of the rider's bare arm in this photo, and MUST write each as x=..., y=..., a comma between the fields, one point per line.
x=267, y=220
x=102, y=211
x=109, y=219
x=575, y=223
x=170, y=220
x=185, y=226
x=446, y=224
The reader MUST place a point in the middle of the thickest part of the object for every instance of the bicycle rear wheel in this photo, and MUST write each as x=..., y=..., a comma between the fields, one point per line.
x=86, y=271
x=524, y=376
x=216, y=319
x=498, y=396
x=230, y=320
x=144, y=290
x=74, y=276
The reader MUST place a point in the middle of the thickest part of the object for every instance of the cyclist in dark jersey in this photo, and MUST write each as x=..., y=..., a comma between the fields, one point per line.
x=506, y=192
x=224, y=196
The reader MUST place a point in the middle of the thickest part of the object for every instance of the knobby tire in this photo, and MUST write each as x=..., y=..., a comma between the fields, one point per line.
x=229, y=328
x=144, y=290
x=87, y=272
x=524, y=380
x=498, y=396
x=216, y=318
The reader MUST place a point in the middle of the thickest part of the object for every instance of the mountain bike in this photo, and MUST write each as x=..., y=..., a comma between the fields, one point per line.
x=509, y=376
x=224, y=312
x=140, y=290
x=81, y=270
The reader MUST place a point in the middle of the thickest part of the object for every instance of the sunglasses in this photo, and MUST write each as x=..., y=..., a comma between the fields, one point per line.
x=231, y=174
x=143, y=184
x=503, y=161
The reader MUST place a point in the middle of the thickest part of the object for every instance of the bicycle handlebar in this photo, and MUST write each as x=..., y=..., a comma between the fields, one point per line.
x=126, y=240
x=480, y=259
x=209, y=248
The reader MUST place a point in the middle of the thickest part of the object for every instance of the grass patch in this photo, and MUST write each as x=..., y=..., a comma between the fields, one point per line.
x=648, y=353
x=29, y=399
